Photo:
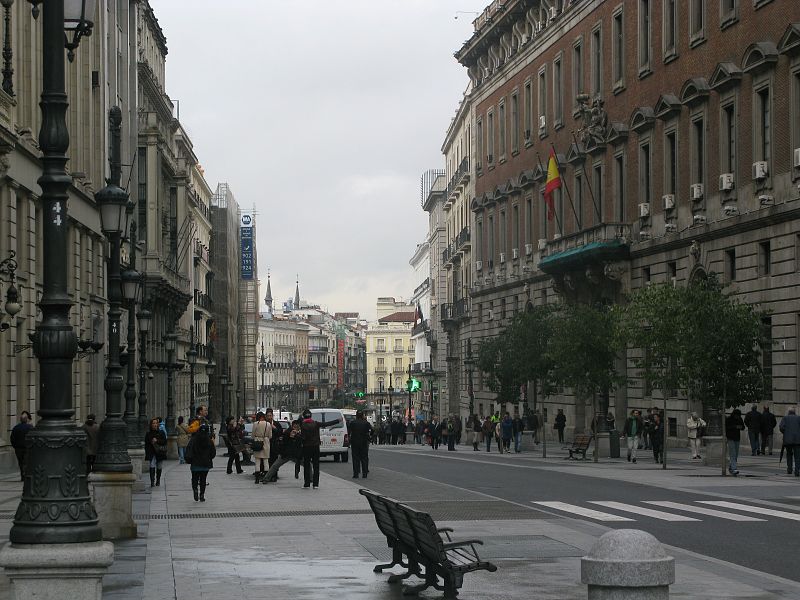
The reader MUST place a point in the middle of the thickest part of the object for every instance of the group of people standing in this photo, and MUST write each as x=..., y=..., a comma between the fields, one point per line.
x=760, y=430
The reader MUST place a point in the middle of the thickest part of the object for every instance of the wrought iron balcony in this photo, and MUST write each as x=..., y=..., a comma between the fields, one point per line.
x=203, y=300
x=453, y=312
x=460, y=177
x=601, y=243
x=421, y=328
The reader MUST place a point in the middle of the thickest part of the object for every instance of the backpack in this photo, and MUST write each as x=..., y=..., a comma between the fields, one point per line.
x=188, y=452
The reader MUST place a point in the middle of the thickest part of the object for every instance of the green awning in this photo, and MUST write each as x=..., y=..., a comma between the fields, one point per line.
x=590, y=253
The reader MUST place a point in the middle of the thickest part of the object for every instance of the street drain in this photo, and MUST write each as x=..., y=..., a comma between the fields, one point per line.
x=251, y=514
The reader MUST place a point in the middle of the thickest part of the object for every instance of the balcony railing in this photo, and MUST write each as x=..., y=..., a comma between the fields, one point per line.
x=462, y=172
x=455, y=311
x=203, y=300
x=607, y=241
x=461, y=241
x=421, y=328
x=422, y=367
x=202, y=251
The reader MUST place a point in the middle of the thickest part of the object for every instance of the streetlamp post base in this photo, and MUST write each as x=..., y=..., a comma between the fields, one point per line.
x=172, y=447
x=137, y=460
x=713, y=451
x=112, y=494
x=56, y=571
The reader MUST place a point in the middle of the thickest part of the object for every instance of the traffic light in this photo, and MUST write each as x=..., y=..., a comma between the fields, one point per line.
x=413, y=384
x=358, y=394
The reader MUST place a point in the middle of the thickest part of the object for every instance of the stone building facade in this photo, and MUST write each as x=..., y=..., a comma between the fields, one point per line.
x=677, y=131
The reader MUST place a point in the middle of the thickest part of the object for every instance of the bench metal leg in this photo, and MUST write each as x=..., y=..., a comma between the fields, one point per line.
x=430, y=581
x=451, y=585
x=413, y=570
x=397, y=560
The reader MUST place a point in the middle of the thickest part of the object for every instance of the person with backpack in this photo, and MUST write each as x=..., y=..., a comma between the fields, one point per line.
x=768, y=423
x=155, y=451
x=488, y=433
x=200, y=453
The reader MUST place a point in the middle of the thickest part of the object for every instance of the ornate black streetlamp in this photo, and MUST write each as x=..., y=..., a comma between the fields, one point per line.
x=55, y=507
x=262, y=368
x=8, y=267
x=191, y=358
x=170, y=343
x=132, y=290
x=469, y=364
x=112, y=200
x=144, y=317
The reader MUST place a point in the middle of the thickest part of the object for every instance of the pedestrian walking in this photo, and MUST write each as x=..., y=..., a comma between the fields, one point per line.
x=734, y=425
x=752, y=421
x=790, y=428
x=262, y=433
x=498, y=435
x=452, y=437
x=232, y=442
x=488, y=433
x=360, y=433
x=92, y=430
x=657, y=438
x=768, y=423
x=535, y=423
x=275, y=439
x=435, y=431
x=518, y=428
x=560, y=424
x=695, y=428
x=183, y=439
x=18, y=434
x=477, y=432
x=507, y=432
x=291, y=450
x=309, y=429
x=457, y=429
x=155, y=450
x=201, y=456
x=634, y=426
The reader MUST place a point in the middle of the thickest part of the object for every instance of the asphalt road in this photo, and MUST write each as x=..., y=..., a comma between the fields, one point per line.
x=741, y=533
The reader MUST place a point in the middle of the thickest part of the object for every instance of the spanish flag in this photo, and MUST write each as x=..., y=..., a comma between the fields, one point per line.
x=553, y=183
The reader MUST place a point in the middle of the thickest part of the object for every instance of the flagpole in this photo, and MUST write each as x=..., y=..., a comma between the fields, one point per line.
x=558, y=221
x=591, y=192
x=564, y=185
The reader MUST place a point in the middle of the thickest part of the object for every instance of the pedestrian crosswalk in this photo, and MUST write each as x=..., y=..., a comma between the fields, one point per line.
x=674, y=512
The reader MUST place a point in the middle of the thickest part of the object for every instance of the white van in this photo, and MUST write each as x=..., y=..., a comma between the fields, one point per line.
x=335, y=439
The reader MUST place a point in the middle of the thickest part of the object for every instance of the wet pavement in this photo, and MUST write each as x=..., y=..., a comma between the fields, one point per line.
x=258, y=541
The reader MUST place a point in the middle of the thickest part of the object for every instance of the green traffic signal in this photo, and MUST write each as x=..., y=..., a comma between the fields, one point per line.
x=413, y=384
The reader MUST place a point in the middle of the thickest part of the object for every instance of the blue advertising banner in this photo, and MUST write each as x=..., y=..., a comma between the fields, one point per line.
x=246, y=234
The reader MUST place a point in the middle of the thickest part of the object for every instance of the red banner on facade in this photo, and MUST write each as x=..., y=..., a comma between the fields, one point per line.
x=340, y=365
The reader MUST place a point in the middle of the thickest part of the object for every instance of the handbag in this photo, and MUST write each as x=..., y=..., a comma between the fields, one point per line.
x=257, y=445
x=701, y=431
x=160, y=450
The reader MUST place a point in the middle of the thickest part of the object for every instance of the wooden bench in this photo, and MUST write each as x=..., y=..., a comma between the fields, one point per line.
x=414, y=534
x=580, y=445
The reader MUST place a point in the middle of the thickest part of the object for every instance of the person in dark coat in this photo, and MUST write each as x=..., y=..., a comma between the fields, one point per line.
x=752, y=421
x=657, y=437
x=790, y=428
x=518, y=427
x=154, y=442
x=360, y=434
x=232, y=441
x=733, y=433
x=18, y=434
x=277, y=438
x=291, y=450
x=768, y=423
x=92, y=430
x=202, y=455
x=309, y=429
x=488, y=433
x=507, y=432
x=434, y=431
x=560, y=424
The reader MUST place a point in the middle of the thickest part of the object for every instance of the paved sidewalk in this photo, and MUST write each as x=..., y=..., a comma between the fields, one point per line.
x=313, y=544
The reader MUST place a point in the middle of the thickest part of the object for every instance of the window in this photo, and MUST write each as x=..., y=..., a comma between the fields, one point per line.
x=597, y=61
x=578, y=199
x=558, y=94
x=398, y=345
x=618, y=50
x=619, y=185
x=528, y=99
x=558, y=198
x=381, y=364
x=502, y=308
x=490, y=138
x=728, y=12
x=542, y=215
x=529, y=220
x=597, y=187
x=728, y=141
x=490, y=240
x=502, y=233
x=381, y=345
x=479, y=143
x=672, y=273
x=398, y=363
x=763, y=128
x=766, y=357
x=670, y=29
x=515, y=227
x=542, y=94
x=644, y=37
x=730, y=264
x=671, y=163
x=794, y=114
x=698, y=150
x=501, y=127
x=514, y=122
x=644, y=172
x=646, y=275
x=479, y=240
x=697, y=21
x=577, y=68
x=764, y=258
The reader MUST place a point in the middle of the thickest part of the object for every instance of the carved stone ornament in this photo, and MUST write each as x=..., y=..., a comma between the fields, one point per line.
x=595, y=120
x=694, y=250
x=592, y=275
x=614, y=270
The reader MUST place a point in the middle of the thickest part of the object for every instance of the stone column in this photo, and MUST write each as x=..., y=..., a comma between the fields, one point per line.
x=628, y=564
x=113, y=499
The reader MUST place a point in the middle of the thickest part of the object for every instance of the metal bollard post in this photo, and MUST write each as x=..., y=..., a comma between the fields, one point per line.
x=628, y=564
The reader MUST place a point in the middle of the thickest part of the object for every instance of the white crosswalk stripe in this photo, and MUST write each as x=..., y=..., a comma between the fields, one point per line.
x=583, y=512
x=703, y=511
x=640, y=510
x=760, y=510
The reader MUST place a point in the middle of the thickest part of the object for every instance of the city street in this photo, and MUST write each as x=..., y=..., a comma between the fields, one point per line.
x=314, y=542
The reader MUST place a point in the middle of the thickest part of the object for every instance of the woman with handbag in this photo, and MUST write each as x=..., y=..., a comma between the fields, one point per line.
x=202, y=458
x=695, y=428
x=155, y=451
x=262, y=432
x=183, y=439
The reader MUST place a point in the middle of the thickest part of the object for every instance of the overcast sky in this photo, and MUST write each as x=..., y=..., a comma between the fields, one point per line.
x=321, y=115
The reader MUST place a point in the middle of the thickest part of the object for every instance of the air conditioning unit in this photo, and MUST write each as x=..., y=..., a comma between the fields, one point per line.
x=696, y=191
x=726, y=182
x=644, y=210
x=514, y=253
x=527, y=134
x=699, y=219
x=491, y=158
x=669, y=201
x=502, y=257
x=478, y=265
x=760, y=169
x=766, y=200
x=528, y=249
x=542, y=122
x=670, y=228
x=730, y=211
x=542, y=245
x=796, y=161
x=491, y=314
x=644, y=235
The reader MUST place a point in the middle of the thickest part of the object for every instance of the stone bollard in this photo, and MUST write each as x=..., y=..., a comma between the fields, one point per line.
x=628, y=564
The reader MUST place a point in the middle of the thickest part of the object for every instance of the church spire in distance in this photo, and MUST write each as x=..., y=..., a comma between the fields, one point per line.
x=268, y=297
x=297, y=294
